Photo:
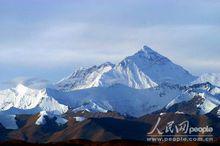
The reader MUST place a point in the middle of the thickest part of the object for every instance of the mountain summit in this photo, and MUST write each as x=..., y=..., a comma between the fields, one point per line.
x=159, y=68
x=152, y=55
x=144, y=69
x=84, y=77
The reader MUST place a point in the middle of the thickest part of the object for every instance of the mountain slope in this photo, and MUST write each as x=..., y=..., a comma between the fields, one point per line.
x=144, y=69
x=127, y=73
x=105, y=102
x=197, y=99
x=213, y=78
x=120, y=98
x=84, y=78
x=90, y=106
x=159, y=68
x=27, y=100
x=105, y=128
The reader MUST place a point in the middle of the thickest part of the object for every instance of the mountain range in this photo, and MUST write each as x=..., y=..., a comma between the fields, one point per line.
x=129, y=92
x=144, y=69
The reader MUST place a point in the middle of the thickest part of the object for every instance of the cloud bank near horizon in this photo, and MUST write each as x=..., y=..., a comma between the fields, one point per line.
x=48, y=39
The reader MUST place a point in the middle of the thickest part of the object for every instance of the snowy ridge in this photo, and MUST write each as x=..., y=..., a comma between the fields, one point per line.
x=84, y=78
x=145, y=69
x=128, y=74
x=90, y=106
x=210, y=100
x=213, y=78
x=159, y=68
x=79, y=119
x=119, y=98
x=205, y=91
x=43, y=114
x=23, y=98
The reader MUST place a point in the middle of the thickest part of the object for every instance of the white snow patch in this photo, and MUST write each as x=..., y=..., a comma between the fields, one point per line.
x=61, y=121
x=79, y=119
x=178, y=112
x=41, y=118
x=218, y=113
x=207, y=106
x=90, y=107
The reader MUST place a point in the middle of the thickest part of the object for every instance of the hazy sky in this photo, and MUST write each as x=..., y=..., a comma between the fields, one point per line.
x=48, y=39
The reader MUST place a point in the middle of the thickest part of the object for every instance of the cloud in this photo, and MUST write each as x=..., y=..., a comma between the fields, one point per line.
x=64, y=44
x=31, y=82
x=83, y=44
x=40, y=38
x=203, y=66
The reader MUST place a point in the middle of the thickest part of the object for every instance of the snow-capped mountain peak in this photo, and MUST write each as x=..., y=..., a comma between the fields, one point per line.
x=22, y=98
x=21, y=89
x=147, y=49
x=146, y=53
x=84, y=78
x=144, y=69
x=159, y=68
x=139, y=84
x=152, y=55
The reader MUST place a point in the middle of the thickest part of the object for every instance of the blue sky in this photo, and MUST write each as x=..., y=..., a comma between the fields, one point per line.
x=48, y=39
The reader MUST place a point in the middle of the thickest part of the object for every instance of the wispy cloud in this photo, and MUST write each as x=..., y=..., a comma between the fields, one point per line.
x=41, y=37
x=87, y=44
x=31, y=82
